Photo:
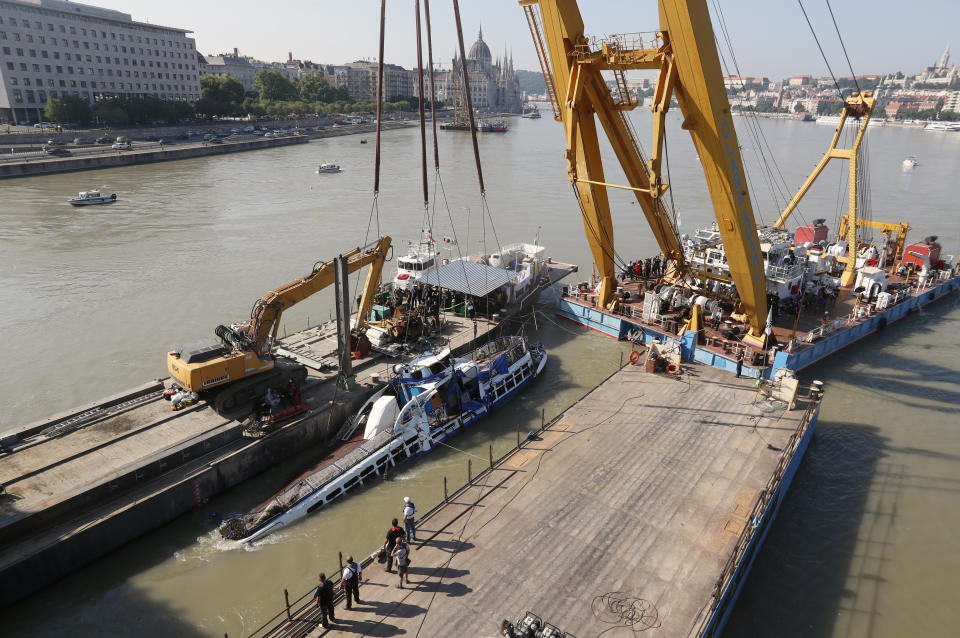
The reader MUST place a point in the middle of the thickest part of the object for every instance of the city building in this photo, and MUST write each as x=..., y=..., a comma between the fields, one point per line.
x=493, y=85
x=360, y=78
x=243, y=69
x=53, y=48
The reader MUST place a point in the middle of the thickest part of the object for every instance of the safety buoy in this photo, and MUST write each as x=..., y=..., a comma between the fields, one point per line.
x=634, y=357
x=673, y=368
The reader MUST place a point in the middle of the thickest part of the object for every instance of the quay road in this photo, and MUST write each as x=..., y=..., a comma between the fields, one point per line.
x=32, y=160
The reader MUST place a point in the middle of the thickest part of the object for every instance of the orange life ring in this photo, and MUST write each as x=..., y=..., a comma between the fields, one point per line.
x=634, y=357
x=673, y=368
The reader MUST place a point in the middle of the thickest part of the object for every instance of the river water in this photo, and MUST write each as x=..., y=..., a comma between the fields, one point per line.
x=864, y=546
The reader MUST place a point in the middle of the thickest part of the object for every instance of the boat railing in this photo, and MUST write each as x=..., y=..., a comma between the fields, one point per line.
x=786, y=272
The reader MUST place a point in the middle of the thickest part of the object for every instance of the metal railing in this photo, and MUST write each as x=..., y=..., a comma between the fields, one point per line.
x=731, y=572
x=610, y=44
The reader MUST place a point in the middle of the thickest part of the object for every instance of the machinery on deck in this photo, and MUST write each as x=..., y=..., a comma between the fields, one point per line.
x=243, y=366
x=684, y=52
x=860, y=107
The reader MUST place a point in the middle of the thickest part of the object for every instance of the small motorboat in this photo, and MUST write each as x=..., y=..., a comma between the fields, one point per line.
x=910, y=162
x=363, y=140
x=90, y=198
x=329, y=168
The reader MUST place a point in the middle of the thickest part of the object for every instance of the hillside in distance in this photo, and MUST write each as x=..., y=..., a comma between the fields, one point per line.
x=531, y=82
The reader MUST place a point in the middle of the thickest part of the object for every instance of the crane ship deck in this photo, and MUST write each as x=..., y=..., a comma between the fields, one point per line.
x=81, y=483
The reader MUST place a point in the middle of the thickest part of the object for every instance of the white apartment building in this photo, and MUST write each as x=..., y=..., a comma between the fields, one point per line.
x=53, y=48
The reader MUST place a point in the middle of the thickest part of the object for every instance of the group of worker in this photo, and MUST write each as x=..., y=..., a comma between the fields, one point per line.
x=395, y=548
x=425, y=296
x=648, y=268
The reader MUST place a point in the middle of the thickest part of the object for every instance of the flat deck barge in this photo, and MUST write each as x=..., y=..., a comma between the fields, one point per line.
x=640, y=507
x=84, y=482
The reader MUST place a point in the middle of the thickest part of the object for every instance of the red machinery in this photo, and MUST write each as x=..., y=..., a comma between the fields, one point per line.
x=925, y=253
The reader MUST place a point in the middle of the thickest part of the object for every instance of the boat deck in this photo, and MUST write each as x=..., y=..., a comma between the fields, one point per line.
x=626, y=511
x=790, y=328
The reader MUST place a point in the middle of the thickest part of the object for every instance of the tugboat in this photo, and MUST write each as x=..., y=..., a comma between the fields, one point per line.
x=92, y=198
x=428, y=400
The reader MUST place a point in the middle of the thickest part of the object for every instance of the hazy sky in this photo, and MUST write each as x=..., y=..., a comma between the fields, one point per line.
x=770, y=37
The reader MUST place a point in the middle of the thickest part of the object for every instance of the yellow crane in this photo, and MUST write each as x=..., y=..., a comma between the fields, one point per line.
x=684, y=52
x=245, y=355
x=860, y=107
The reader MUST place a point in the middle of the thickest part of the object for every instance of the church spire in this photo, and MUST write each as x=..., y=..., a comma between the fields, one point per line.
x=480, y=35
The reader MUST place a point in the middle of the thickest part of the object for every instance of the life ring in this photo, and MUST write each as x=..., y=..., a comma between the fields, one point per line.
x=673, y=368
x=634, y=357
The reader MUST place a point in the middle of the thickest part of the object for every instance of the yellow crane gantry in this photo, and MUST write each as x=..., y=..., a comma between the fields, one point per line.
x=855, y=106
x=685, y=54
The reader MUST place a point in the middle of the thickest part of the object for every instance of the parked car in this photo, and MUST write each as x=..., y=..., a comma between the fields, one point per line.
x=55, y=150
x=121, y=146
x=248, y=129
x=43, y=125
x=153, y=138
x=215, y=140
x=55, y=142
x=82, y=140
x=104, y=139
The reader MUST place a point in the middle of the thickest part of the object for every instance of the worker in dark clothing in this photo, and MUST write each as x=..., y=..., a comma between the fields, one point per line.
x=390, y=542
x=324, y=598
x=739, y=364
x=350, y=581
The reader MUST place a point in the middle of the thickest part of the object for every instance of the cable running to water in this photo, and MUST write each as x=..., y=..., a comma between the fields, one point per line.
x=822, y=54
x=844, y=47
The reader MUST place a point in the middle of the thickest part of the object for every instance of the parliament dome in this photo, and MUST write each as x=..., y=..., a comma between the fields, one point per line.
x=480, y=50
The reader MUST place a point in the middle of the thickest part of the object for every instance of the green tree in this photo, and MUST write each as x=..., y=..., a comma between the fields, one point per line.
x=315, y=88
x=272, y=85
x=221, y=88
x=69, y=108
x=798, y=108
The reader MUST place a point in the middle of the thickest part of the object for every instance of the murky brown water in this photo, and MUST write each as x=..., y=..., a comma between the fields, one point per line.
x=91, y=299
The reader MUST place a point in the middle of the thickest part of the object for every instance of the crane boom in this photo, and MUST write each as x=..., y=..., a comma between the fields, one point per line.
x=684, y=51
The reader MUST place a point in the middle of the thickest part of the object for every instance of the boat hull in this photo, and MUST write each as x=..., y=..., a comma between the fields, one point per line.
x=388, y=451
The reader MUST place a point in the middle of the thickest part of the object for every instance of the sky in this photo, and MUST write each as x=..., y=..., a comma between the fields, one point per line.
x=770, y=37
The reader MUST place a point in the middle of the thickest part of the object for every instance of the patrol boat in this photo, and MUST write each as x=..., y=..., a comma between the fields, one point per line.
x=426, y=402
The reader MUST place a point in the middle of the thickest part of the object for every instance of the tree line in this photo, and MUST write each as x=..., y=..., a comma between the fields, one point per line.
x=224, y=96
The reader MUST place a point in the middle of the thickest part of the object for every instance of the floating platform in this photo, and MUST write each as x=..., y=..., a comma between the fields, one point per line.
x=84, y=482
x=802, y=340
x=641, y=507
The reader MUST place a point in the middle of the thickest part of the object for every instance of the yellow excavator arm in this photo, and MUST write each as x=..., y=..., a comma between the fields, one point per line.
x=684, y=51
x=249, y=351
x=265, y=317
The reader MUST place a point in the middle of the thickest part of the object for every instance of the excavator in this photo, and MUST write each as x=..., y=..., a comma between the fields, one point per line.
x=684, y=52
x=242, y=366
